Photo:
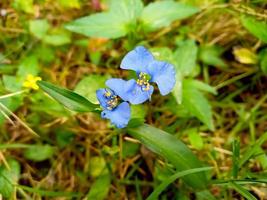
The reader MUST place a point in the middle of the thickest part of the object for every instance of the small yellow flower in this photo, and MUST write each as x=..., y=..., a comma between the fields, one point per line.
x=30, y=82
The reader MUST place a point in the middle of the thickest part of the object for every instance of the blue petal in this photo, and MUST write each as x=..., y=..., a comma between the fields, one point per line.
x=163, y=74
x=117, y=85
x=137, y=59
x=135, y=94
x=120, y=116
x=101, y=97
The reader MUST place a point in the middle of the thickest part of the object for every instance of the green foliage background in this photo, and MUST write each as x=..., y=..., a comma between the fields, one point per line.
x=204, y=141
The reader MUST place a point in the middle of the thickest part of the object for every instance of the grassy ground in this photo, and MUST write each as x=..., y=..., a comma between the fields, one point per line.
x=68, y=160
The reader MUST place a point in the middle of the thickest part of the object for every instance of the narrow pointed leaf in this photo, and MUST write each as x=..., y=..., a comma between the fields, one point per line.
x=165, y=183
x=242, y=191
x=173, y=150
x=69, y=99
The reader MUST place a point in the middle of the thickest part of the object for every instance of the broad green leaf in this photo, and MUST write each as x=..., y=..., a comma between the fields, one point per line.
x=242, y=191
x=201, y=86
x=29, y=65
x=255, y=27
x=162, y=13
x=210, y=55
x=39, y=152
x=106, y=25
x=39, y=27
x=171, y=149
x=99, y=189
x=8, y=178
x=115, y=23
x=155, y=194
x=185, y=57
x=24, y=5
x=130, y=10
x=12, y=83
x=57, y=37
x=195, y=139
x=69, y=99
x=95, y=82
x=197, y=104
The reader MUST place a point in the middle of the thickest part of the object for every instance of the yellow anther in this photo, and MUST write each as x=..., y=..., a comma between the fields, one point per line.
x=107, y=94
x=31, y=82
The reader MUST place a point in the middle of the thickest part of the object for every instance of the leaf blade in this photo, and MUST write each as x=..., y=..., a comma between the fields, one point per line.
x=163, y=13
x=69, y=99
x=171, y=149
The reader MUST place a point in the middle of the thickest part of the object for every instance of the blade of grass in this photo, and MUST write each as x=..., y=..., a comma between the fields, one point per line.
x=18, y=119
x=14, y=146
x=12, y=94
x=154, y=195
x=242, y=191
x=252, y=150
x=173, y=150
x=49, y=193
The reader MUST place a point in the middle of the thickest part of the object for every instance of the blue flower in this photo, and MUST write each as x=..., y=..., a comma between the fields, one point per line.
x=148, y=70
x=118, y=113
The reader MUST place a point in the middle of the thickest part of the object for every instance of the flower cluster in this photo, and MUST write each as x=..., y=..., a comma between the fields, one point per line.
x=114, y=99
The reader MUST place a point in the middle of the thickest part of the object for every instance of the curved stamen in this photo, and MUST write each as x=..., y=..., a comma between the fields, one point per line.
x=143, y=81
x=112, y=99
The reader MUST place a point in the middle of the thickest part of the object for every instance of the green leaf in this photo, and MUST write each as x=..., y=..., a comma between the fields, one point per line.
x=263, y=60
x=29, y=65
x=106, y=25
x=155, y=194
x=195, y=139
x=113, y=24
x=130, y=10
x=95, y=81
x=12, y=83
x=39, y=27
x=39, y=152
x=171, y=149
x=255, y=27
x=69, y=99
x=210, y=55
x=251, y=151
x=178, y=88
x=99, y=189
x=196, y=103
x=162, y=13
x=57, y=37
x=49, y=193
x=8, y=178
x=97, y=166
x=24, y=5
x=242, y=191
x=201, y=86
x=185, y=57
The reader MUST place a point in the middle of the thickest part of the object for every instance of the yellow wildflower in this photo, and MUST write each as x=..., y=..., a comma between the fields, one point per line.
x=30, y=82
